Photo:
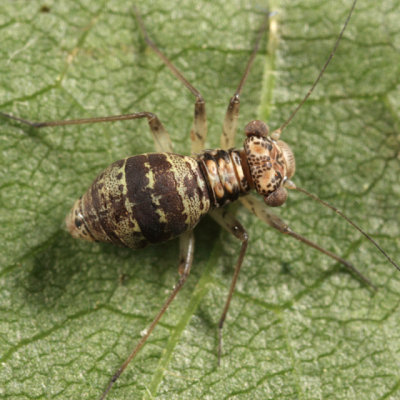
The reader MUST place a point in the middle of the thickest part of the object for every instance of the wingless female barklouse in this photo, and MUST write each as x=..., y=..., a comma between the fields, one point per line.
x=155, y=197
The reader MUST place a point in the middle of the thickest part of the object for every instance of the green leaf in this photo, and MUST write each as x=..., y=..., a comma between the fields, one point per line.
x=299, y=327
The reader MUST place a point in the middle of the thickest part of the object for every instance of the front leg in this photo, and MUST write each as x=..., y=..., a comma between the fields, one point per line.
x=260, y=209
x=232, y=112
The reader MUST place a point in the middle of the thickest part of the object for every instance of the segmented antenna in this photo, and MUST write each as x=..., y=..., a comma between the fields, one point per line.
x=290, y=185
x=308, y=94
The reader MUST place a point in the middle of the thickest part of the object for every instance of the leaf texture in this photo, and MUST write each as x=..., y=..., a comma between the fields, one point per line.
x=299, y=326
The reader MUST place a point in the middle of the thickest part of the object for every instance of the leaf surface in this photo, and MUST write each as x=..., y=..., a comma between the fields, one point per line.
x=299, y=327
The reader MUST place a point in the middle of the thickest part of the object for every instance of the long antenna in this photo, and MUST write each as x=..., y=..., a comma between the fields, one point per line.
x=308, y=94
x=290, y=185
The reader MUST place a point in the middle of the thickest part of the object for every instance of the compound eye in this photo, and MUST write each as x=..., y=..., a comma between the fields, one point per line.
x=276, y=198
x=256, y=128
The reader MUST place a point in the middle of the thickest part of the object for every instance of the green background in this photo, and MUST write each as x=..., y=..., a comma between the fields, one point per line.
x=299, y=327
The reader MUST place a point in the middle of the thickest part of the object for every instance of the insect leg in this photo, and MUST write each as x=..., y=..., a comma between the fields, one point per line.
x=160, y=134
x=232, y=113
x=186, y=249
x=232, y=225
x=262, y=211
x=199, y=130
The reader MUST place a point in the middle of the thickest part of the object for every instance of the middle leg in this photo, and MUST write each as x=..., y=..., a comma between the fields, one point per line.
x=198, y=132
x=232, y=225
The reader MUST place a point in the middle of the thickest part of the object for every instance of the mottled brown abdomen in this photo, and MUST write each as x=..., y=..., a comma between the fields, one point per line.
x=149, y=198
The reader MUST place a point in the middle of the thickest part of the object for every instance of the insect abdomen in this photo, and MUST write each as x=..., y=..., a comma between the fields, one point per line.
x=149, y=198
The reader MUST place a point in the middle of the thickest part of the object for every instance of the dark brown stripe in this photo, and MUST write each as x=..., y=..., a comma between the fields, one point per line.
x=139, y=195
x=171, y=203
x=142, y=196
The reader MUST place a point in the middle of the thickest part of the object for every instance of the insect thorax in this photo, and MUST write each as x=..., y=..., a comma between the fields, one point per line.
x=264, y=164
x=227, y=176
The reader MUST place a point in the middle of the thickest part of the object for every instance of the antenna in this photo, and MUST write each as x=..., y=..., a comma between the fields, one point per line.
x=290, y=185
x=308, y=94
